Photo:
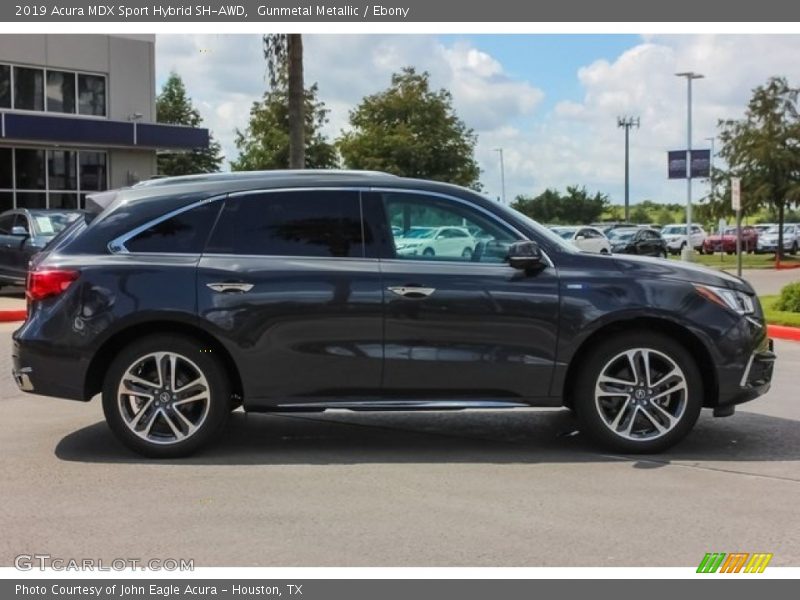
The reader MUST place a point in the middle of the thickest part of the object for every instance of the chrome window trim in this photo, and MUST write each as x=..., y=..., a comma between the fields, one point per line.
x=117, y=245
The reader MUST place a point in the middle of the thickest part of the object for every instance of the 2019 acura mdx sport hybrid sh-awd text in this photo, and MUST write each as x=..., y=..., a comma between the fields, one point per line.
x=181, y=299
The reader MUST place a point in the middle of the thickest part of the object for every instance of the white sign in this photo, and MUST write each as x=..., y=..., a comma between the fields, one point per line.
x=736, y=193
x=721, y=225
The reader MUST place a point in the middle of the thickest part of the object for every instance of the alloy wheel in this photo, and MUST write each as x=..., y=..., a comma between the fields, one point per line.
x=163, y=397
x=641, y=394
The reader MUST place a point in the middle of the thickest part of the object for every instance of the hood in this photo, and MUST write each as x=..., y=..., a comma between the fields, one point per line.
x=644, y=266
x=716, y=238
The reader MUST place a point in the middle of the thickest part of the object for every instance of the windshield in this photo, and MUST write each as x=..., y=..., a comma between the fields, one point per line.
x=565, y=233
x=52, y=223
x=674, y=230
x=775, y=229
x=620, y=234
x=540, y=229
x=419, y=233
x=729, y=231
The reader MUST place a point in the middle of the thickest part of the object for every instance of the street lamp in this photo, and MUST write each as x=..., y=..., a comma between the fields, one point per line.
x=711, y=167
x=502, y=176
x=689, y=75
x=627, y=123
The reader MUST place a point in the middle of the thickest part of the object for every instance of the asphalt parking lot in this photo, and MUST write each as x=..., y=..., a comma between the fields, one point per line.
x=514, y=488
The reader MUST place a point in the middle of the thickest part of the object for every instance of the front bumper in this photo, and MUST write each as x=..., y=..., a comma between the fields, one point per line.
x=741, y=383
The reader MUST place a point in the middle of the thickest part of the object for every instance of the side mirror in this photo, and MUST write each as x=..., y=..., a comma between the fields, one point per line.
x=525, y=256
x=19, y=230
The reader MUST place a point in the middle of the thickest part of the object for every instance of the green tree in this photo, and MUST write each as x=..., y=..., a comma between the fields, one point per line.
x=639, y=215
x=266, y=142
x=413, y=131
x=575, y=206
x=174, y=106
x=284, y=56
x=763, y=149
x=663, y=216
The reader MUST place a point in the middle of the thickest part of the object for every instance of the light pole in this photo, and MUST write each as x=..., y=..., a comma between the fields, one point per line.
x=690, y=76
x=711, y=168
x=626, y=123
x=502, y=176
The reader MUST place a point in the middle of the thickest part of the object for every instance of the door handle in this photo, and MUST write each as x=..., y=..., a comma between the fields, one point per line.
x=230, y=286
x=411, y=291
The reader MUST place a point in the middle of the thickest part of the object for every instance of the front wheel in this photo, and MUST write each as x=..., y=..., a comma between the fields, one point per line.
x=638, y=394
x=164, y=397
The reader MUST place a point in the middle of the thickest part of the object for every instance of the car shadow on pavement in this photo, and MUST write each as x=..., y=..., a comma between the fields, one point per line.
x=501, y=437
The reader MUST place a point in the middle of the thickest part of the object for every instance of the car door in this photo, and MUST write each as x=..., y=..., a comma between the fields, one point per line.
x=287, y=280
x=457, y=326
x=7, y=242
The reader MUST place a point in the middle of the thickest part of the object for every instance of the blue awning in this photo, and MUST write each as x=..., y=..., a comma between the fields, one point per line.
x=26, y=127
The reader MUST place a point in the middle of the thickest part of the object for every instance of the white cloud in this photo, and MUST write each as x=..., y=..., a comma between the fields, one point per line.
x=225, y=74
x=576, y=141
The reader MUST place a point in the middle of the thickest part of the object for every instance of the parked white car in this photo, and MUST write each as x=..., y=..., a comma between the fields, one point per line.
x=588, y=239
x=675, y=236
x=436, y=241
x=768, y=240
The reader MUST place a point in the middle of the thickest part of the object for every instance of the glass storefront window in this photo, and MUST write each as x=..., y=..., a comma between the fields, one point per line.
x=6, y=201
x=41, y=178
x=92, y=95
x=63, y=200
x=30, y=169
x=6, y=170
x=28, y=88
x=60, y=91
x=31, y=200
x=62, y=170
x=93, y=171
x=5, y=86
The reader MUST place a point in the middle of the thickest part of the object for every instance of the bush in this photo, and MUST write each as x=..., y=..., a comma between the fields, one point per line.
x=789, y=300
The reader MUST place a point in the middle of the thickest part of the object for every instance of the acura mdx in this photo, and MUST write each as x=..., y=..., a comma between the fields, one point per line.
x=181, y=299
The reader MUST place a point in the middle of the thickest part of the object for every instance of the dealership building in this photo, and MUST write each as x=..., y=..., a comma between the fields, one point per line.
x=77, y=115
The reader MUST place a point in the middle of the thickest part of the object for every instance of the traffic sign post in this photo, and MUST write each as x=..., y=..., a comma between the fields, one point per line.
x=736, y=204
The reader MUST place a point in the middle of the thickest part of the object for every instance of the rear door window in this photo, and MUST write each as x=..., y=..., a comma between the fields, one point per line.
x=319, y=223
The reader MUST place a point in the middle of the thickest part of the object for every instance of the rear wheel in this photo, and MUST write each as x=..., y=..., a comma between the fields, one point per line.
x=164, y=398
x=467, y=253
x=638, y=393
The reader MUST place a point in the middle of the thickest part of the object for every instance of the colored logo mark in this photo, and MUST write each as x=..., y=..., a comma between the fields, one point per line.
x=735, y=562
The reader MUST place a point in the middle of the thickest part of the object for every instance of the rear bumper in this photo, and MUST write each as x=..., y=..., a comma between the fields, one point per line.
x=52, y=374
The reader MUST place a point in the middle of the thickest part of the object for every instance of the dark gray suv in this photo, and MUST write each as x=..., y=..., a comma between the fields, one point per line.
x=183, y=298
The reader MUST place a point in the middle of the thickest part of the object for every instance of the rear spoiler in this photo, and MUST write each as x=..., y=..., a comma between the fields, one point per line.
x=97, y=203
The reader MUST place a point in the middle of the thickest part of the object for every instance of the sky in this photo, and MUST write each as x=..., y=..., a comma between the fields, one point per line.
x=551, y=102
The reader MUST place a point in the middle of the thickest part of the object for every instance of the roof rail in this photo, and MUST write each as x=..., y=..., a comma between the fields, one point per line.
x=233, y=175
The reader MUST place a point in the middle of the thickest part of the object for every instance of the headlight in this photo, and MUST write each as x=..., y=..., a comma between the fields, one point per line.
x=734, y=300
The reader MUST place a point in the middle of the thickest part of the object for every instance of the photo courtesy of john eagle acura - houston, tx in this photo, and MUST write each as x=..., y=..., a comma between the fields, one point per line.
x=181, y=299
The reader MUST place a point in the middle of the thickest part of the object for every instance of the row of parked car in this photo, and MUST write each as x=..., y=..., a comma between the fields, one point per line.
x=626, y=238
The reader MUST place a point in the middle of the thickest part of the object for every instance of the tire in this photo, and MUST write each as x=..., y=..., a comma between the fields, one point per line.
x=200, y=419
x=597, y=413
x=793, y=250
x=604, y=251
x=467, y=253
x=428, y=252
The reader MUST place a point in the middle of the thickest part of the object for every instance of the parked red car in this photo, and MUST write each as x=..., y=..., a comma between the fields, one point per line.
x=727, y=241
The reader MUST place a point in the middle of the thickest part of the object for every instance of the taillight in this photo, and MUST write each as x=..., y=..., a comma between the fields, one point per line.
x=48, y=282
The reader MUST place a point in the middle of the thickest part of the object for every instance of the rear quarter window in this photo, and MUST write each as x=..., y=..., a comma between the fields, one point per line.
x=184, y=233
